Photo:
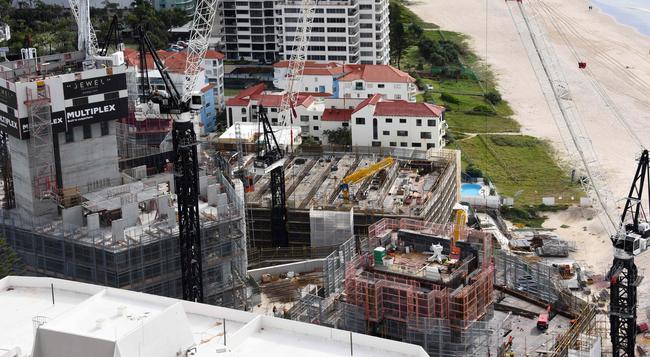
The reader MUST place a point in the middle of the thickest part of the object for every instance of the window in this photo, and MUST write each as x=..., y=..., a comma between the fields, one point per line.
x=431, y=146
x=69, y=135
x=380, y=85
x=376, y=143
x=403, y=144
x=337, y=20
x=416, y=145
x=335, y=29
x=431, y=122
x=418, y=122
x=398, y=96
x=374, y=129
x=361, y=121
x=386, y=132
x=304, y=118
x=402, y=133
x=315, y=127
x=392, y=143
x=104, y=128
x=88, y=132
x=345, y=125
x=425, y=135
x=336, y=11
x=315, y=117
x=274, y=110
x=243, y=110
x=389, y=120
x=402, y=121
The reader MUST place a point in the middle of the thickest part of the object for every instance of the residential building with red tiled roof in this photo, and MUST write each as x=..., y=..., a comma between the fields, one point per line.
x=350, y=80
x=175, y=63
x=244, y=106
x=397, y=123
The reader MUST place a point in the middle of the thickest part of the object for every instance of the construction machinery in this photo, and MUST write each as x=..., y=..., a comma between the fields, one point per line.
x=629, y=241
x=362, y=174
x=270, y=159
x=459, y=228
x=183, y=108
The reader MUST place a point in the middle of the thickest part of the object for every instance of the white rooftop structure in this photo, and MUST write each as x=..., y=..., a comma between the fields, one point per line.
x=53, y=317
x=251, y=132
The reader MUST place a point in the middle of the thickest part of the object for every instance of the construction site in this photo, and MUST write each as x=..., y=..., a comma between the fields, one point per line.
x=108, y=179
x=84, y=199
x=382, y=183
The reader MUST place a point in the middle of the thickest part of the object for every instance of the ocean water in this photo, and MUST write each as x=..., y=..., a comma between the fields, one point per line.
x=635, y=13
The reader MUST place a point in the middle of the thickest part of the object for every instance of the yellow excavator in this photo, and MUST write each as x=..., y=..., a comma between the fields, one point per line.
x=363, y=173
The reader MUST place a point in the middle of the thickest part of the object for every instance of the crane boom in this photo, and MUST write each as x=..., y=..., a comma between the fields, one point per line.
x=297, y=61
x=202, y=23
x=88, y=39
x=363, y=173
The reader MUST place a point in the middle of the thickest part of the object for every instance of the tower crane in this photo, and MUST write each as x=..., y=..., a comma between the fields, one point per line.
x=297, y=64
x=629, y=241
x=270, y=158
x=183, y=107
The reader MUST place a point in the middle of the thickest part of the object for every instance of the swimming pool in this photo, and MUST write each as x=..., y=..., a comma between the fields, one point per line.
x=470, y=189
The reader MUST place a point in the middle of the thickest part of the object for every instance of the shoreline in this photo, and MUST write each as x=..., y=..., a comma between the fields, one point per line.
x=613, y=17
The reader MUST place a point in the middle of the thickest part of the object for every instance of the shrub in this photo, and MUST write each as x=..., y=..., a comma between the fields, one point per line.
x=427, y=97
x=493, y=97
x=482, y=110
x=473, y=171
x=448, y=98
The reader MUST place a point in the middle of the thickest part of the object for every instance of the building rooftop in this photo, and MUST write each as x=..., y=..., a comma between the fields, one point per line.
x=268, y=99
x=375, y=73
x=53, y=317
x=407, y=109
x=337, y=114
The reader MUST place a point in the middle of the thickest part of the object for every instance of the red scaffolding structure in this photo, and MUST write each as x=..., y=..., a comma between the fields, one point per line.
x=411, y=300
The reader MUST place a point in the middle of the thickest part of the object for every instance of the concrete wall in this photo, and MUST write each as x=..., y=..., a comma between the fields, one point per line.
x=86, y=161
x=401, y=91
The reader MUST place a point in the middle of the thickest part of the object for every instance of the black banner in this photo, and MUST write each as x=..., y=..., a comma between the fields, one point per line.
x=9, y=123
x=8, y=98
x=96, y=112
x=58, y=121
x=92, y=86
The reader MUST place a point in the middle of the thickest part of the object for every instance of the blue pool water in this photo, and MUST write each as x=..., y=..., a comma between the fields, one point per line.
x=470, y=189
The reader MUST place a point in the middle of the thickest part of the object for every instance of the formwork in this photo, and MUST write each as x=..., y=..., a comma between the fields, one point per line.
x=447, y=317
x=146, y=260
x=321, y=190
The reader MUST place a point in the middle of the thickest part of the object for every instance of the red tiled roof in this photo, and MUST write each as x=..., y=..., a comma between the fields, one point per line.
x=256, y=89
x=368, y=101
x=322, y=71
x=237, y=102
x=407, y=109
x=267, y=100
x=337, y=114
x=211, y=54
x=375, y=73
x=174, y=61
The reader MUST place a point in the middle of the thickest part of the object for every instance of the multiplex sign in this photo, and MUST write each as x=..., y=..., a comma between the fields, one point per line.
x=9, y=122
x=97, y=112
x=93, y=86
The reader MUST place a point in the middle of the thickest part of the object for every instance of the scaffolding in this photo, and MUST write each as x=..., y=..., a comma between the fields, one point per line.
x=40, y=141
x=145, y=259
x=447, y=317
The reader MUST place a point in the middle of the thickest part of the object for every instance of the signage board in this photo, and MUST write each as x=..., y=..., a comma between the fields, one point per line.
x=97, y=112
x=92, y=86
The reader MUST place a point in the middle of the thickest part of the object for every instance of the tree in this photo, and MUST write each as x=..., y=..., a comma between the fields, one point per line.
x=416, y=31
x=9, y=261
x=493, y=97
x=340, y=136
x=400, y=44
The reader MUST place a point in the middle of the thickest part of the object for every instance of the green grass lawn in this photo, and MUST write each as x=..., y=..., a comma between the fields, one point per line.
x=466, y=123
x=521, y=166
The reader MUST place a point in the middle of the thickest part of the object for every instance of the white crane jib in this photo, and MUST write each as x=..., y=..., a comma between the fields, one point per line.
x=297, y=61
x=200, y=31
x=86, y=38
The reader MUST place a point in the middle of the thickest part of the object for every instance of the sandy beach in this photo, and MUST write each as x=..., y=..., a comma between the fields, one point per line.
x=618, y=60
